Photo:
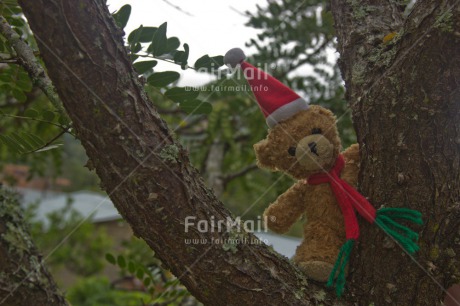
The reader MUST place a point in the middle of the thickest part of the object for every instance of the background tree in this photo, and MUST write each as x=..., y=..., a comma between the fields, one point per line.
x=298, y=42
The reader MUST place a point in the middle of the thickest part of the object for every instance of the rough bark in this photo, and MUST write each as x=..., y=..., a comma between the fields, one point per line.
x=23, y=277
x=404, y=94
x=146, y=173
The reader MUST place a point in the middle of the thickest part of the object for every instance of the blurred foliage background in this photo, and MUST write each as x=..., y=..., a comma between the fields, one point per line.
x=218, y=124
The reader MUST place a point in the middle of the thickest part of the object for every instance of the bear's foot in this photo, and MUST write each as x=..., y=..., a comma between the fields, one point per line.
x=316, y=270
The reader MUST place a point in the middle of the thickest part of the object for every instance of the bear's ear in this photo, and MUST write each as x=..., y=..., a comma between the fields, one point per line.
x=264, y=155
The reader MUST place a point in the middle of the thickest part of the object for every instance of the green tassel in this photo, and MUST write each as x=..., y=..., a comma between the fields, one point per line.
x=385, y=219
x=340, y=265
x=402, y=213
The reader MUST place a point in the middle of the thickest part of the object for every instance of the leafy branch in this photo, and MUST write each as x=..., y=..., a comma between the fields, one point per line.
x=49, y=145
x=65, y=128
x=26, y=58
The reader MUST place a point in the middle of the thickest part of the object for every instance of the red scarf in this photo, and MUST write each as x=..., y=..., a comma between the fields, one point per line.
x=347, y=197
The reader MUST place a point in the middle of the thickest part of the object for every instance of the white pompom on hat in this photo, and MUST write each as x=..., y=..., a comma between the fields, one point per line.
x=277, y=101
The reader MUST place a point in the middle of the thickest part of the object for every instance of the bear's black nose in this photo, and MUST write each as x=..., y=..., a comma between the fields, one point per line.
x=312, y=146
x=291, y=151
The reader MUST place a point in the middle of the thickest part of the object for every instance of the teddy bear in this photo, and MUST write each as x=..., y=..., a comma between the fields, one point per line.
x=303, y=142
x=300, y=146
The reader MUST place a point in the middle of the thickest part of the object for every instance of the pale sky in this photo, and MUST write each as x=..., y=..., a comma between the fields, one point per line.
x=213, y=29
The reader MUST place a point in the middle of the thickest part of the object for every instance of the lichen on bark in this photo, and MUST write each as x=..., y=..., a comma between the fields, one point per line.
x=24, y=279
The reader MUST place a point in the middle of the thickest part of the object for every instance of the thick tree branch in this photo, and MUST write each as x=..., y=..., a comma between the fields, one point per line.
x=147, y=174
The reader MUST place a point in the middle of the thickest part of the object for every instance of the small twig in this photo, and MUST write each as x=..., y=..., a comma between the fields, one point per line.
x=240, y=173
x=10, y=60
x=26, y=58
x=164, y=60
x=238, y=12
x=294, y=66
x=38, y=120
x=51, y=141
x=178, y=8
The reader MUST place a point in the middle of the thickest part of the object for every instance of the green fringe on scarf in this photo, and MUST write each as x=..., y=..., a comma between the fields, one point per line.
x=386, y=220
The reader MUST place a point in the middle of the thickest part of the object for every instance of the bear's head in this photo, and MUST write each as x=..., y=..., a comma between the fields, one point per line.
x=306, y=143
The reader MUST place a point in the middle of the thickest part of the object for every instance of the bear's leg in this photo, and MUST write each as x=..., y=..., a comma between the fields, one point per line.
x=319, y=250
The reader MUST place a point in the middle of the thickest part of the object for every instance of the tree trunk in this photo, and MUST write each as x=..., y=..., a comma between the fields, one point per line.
x=23, y=277
x=404, y=93
x=146, y=174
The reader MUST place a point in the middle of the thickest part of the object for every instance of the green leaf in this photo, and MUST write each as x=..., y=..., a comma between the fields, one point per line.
x=131, y=267
x=18, y=95
x=33, y=139
x=48, y=115
x=6, y=77
x=159, y=41
x=135, y=35
x=136, y=48
x=147, y=281
x=142, y=34
x=11, y=144
x=21, y=140
x=181, y=94
x=63, y=120
x=32, y=113
x=202, y=61
x=218, y=60
x=161, y=79
x=17, y=22
x=142, y=67
x=24, y=84
x=181, y=57
x=172, y=44
x=178, y=56
x=196, y=107
x=185, y=57
x=122, y=15
x=110, y=258
x=140, y=273
x=206, y=63
x=19, y=31
x=121, y=261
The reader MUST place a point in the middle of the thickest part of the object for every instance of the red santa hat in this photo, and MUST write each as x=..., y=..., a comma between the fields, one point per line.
x=277, y=101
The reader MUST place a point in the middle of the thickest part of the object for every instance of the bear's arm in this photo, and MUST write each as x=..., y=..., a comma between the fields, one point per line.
x=351, y=170
x=287, y=208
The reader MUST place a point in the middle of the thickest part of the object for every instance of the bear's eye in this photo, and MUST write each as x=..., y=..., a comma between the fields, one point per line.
x=316, y=131
x=291, y=151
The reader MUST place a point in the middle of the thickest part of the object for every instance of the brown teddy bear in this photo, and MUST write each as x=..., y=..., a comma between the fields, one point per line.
x=311, y=144
x=303, y=142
